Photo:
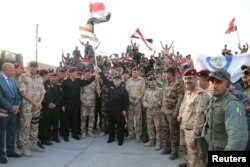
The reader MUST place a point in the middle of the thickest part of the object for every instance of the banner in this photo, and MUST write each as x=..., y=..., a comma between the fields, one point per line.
x=230, y=63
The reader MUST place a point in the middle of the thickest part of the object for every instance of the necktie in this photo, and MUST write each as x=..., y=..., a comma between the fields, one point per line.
x=10, y=85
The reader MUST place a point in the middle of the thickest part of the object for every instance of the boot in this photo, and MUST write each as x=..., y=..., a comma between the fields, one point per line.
x=36, y=148
x=84, y=135
x=157, y=147
x=91, y=134
x=149, y=144
x=26, y=152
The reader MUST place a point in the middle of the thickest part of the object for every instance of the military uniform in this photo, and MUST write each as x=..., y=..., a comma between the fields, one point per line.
x=192, y=119
x=153, y=98
x=135, y=88
x=104, y=109
x=88, y=97
x=171, y=101
x=226, y=125
x=29, y=119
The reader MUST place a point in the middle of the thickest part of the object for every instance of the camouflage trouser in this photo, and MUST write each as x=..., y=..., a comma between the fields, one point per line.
x=135, y=119
x=170, y=133
x=154, y=127
x=29, y=121
x=183, y=145
x=193, y=157
x=87, y=112
x=104, y=118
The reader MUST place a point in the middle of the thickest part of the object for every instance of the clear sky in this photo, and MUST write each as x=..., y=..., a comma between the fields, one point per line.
x=195, y=26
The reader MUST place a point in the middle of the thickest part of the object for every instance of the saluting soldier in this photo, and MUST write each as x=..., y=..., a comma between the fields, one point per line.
x=192, y=115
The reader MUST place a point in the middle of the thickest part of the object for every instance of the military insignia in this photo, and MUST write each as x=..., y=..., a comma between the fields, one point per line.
x=219, y=62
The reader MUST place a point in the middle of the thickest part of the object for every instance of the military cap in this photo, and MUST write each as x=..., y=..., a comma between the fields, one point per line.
x=151, y=78
x=43, y=72
x=87, y=70
x=51, y=70
x=203, y=73
x=125, y=72
x=61, y=69
x=219, y=74
x=118, y=77
x=16, y=65
x=135, y=69
x=189, y=72
x=53, y=74
x=245, y=69
x=72, y=69
x=33, y=64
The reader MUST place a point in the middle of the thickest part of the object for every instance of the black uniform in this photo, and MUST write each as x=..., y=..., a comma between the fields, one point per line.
x=71, y=101
x=118, y=101
x=51, y=116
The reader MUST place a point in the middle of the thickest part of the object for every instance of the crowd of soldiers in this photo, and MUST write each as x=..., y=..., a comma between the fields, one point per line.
x=169, y=105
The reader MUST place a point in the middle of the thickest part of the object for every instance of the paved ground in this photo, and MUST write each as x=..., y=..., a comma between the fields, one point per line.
x=95, y=152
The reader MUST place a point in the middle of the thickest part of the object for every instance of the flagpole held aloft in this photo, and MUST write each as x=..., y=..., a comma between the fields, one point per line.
x=238, y=34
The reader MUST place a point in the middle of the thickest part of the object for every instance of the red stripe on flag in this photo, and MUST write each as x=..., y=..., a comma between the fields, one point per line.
x=231, y=26
x=142, y=38
x=96, y=7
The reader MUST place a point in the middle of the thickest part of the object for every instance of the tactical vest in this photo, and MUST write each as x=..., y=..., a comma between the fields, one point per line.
x=218, y=136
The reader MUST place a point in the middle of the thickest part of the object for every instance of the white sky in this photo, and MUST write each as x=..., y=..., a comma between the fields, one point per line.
x=196, y=26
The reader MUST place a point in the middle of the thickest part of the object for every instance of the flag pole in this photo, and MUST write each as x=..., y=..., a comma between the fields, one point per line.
x=97, y=80
x=238, y=34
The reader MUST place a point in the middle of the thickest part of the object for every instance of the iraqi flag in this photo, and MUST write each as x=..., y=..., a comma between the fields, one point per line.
x=230, y=63
x=98, y=13
x=231, y=27
x=86, y=32
x=148, y=42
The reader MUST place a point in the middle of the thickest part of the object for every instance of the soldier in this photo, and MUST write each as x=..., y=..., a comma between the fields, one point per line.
x=192, y=115
x=118, y=102
x=88, y=97
x=51, y=108
x=152, y=102
x=32, y=91
x=71, y=104
x=244, y=76
x=202, y=77
x=166, y=49
x=135, y=87
x=225, y=128
x=224, y=51
x=243, y=49
x=171, y=101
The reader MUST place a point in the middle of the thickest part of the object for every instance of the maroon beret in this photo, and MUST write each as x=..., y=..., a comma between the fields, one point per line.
x=189, y=72
x=53, y=74
x=203, y=73
x=72, y=69
x=16, y=65
x=43, y=72
x=135, y=69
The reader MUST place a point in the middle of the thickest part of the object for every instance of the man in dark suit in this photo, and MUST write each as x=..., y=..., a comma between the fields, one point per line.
x=9, y=101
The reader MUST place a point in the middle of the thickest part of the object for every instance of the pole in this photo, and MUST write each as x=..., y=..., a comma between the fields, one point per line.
x=36, y=41
x=238, y=34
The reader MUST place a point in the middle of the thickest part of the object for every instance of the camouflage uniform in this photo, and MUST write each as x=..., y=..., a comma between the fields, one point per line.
x=104, y=109
x=153, y=97
x=171, y=101
x=192, y=115
x=29, y=119
x=135, y=88
x=88, y=97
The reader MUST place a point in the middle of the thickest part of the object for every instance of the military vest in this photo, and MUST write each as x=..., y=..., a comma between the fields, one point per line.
x=216, y=121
